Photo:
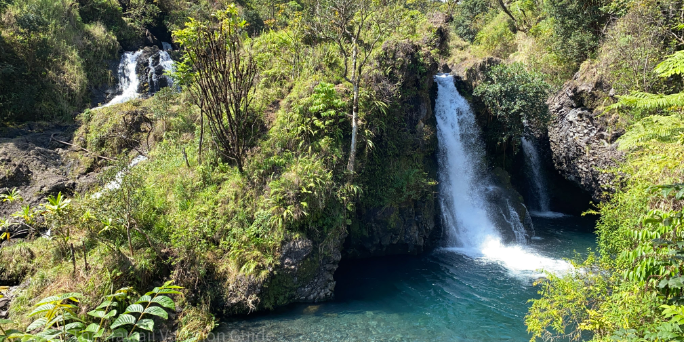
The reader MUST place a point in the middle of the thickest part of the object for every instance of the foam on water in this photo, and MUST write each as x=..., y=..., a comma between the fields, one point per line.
x=547, y=214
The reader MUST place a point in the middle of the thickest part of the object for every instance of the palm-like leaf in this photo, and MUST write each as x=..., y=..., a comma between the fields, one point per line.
x=673, y=65
x=650, y=101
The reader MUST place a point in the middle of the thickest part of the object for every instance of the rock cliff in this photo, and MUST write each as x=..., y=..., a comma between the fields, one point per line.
x=581, y=140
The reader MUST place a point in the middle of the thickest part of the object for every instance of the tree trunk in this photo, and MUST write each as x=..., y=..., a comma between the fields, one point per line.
x=355, y=110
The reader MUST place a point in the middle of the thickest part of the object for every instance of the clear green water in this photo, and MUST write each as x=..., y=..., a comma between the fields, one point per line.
x=441, y=296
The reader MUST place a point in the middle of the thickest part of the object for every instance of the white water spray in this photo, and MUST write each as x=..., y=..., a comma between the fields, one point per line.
x=128, y=79
x=470, y=229
x=118, y=178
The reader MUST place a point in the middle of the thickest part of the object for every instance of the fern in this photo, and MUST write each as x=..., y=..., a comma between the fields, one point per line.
x=673, y=65
x=659, y=128
x=649, y=101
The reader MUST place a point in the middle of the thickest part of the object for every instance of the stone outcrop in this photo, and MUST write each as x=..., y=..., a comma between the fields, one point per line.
x=582, y=143
x=404, y=229
x=305, y=272
x=150, y=71
x=509, y=211
x=37, y=165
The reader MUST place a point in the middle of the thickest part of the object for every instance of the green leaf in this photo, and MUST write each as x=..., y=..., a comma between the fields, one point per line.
x=144, y=299
x=74, y=326
x=123, y=320
x=5, y=321
x=135, y=337
x=74, y=296
x=145, y=324
x=134, y=308
x=118, y=334
x=168, y=291
x=97, y=313
x=165, y=302
x=13, y=334
x=92, y=327
x=157, y=311
x=41, y=309
x=106, y=304
x=47, y=300
x=39, y=323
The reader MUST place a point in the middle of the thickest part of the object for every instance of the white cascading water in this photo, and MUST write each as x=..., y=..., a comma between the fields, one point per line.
x=470, y=230
x=128, y=79
x=538, y=181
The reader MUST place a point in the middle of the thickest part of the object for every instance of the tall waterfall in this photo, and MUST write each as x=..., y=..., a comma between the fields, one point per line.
x=463, y=182
x=128, y=79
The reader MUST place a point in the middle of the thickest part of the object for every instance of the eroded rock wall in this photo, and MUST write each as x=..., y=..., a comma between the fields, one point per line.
x=582, y=143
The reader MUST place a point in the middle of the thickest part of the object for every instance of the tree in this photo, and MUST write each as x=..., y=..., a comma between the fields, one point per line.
x=221, y=74
x=355, y=27
x=516, y=99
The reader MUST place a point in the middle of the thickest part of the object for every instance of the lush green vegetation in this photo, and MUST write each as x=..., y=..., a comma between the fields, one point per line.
x=335, y=128
x=205, y=221
x=114, y=318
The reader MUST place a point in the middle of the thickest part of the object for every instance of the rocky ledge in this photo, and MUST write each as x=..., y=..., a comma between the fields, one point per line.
x=581, y=140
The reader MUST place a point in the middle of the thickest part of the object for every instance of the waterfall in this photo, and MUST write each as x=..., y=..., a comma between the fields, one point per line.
x=159, y=64
x=465, y=210
x=463, y=183
x=538, y=180
x=535, y=171
x=128, y=79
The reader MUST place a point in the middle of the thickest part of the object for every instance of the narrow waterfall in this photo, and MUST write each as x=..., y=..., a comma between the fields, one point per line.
x=128, y=79
x=535, y=172
x=159, y=64
x=534, y=169
x=463, y=182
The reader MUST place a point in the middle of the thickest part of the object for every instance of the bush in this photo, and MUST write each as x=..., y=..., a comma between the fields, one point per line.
x=576, y=28
x=49, y=60
x=497, y=38
x=469, y=18
x=633, y=46
x=516, y=99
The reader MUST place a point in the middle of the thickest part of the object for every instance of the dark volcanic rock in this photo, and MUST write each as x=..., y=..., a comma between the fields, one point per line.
x=404, y=229
x=582, y=143
x=37, y=165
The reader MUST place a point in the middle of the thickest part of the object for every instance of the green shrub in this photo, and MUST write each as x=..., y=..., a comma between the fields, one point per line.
x=515, y=98
x=469, y=18
x=497, y=38
x=577, y=28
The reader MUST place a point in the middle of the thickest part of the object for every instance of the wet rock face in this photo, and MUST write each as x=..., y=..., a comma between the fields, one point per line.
x=404, y=229
x=150, y=71
x=581, y=141
x=509, y=212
